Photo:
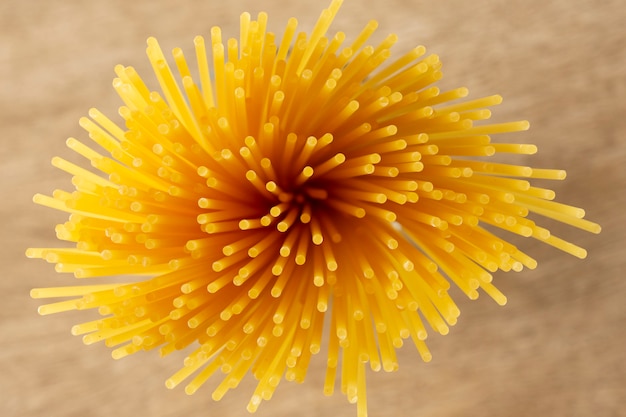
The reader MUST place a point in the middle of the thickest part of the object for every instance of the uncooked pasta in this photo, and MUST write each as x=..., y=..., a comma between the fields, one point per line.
x=294, y=179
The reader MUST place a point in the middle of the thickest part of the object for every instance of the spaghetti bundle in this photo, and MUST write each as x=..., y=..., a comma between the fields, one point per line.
x=295, y=179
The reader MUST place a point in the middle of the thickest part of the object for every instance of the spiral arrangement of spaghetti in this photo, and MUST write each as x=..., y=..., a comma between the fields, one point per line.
x=294, y=179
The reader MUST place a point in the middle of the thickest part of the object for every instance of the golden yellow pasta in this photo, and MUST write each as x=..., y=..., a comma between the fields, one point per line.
x=295, y=179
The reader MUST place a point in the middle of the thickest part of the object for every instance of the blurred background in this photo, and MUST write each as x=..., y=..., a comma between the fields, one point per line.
x=557, y=349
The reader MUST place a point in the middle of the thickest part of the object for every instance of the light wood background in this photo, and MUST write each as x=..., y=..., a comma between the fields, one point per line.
x=557, y=349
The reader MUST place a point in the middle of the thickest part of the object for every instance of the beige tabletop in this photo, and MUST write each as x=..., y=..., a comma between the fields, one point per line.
x=558, y=348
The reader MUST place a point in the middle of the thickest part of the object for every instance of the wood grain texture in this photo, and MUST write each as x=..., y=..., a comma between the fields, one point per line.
x=557, y=349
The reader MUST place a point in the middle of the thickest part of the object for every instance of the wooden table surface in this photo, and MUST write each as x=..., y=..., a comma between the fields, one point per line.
x=557, y=349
